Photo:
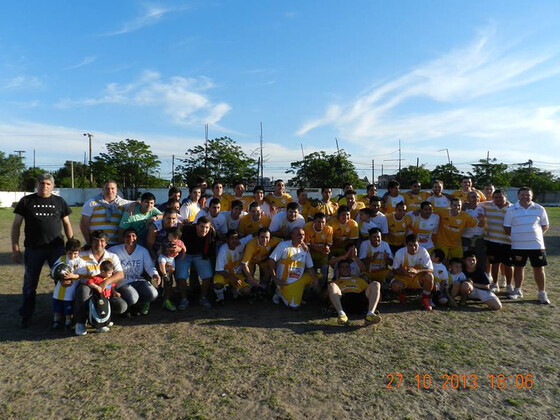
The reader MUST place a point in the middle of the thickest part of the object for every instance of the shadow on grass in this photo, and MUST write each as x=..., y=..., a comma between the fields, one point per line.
x=312, y=318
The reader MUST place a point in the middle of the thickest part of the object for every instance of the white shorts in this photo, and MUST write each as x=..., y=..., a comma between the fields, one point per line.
x=482, y=295
x=166, y=260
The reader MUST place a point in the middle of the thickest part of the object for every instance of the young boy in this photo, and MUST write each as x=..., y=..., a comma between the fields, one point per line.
x=167, y=253
x=105, y=271
x=63, y=295
x=441, y=278
x=477, y=285
x=365, y=223
x=457, y=278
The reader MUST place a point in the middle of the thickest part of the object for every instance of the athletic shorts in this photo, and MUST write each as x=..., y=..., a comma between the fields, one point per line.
x=452, y=251
x=498, y=253
x=164, y=259
x=292, y=293
x=536, y=256
x=379, y=275
x=354, y=303
x=220, y=279
x=409, y=282
x=65, y=307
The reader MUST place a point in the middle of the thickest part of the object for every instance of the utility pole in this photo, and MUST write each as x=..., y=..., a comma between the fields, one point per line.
x=373, y=171
x=72, y=172
x=262, y=160
x=448, y=159
x=206, y=151
x=89, y=136
x=302, y=154
x=172, y=170
x=20, y=153
x=337, y=148
x=399, y=158
x=33, y=158
x=488, y=157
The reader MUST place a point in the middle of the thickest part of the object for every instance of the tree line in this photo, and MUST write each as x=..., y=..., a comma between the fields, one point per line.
x=133, y=165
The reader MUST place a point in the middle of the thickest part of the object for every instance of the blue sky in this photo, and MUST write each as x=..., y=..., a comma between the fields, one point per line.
x=471, y=77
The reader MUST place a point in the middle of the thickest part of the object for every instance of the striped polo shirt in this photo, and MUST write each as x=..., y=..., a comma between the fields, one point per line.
x=526, y=226
x=105, y=219
x=494, y=230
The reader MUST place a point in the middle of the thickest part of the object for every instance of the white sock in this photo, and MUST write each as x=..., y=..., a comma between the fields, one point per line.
x=341, y=312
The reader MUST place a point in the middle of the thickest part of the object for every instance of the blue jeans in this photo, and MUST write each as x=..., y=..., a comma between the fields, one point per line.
x=138, y=292
x=203, y=266
x=34, y=259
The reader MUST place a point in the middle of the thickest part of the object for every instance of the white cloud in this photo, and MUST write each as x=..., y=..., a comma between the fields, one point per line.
x=86, y=61
x=183, y=99
x=21, y=82
x=455, y=80
x=150, y=16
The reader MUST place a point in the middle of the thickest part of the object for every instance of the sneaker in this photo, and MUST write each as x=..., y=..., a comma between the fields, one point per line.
x=103, y=329
x=145, y=308
x=543, y=298
x=110, y=324
x=220, y=301
x=167, y=280
x=516, y=294
x=169, y=306
x=205, y=302
x=343, y=319
x=183, y=304
x=509, y=289
x=276, y=298
x=452, y=303
x=374, y=318
x=494, y=287
x=502, y=283
x=402, y=297
x=426, y=303
x=80, y=329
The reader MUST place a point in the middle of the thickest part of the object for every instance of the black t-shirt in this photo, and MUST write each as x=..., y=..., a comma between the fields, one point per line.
x=43, y=219
x=477, y=276
x=195, y=244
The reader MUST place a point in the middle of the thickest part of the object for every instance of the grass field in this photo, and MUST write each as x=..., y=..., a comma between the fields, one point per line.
x=265, y=362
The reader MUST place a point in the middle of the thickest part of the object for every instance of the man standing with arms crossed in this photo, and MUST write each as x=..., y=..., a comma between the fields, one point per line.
x=45, y=214
x=526, y=222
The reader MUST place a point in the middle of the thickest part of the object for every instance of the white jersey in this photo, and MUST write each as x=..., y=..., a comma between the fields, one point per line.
x=219, y=223
x=230, y=260
x=280, y=222
x=380, y=221
x=469, y=232
x=77, y=266
x=376, y=255
x=424, y=229
x=420, y=260
x=134, y=264
x=230, y=222
x=291, y=261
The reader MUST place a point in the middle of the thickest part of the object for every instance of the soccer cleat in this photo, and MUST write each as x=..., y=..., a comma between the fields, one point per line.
x=103, y=329
x=168, y=305
x=426, y=303
x=343, y=319
x=80, y=329
x=205, y=302
x=145, y=308
x=494, y=287
x=402, y=297
x=373, y=318
x=543, y=298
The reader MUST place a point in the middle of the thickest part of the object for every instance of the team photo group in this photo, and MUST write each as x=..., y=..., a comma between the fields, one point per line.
x=423, y=248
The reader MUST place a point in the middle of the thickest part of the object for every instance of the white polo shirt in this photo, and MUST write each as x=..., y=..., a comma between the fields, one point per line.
x=526, y=226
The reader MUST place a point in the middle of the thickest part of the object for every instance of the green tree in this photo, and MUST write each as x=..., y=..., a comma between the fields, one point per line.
x=539, y=180
x=29, y=178
x=412, y=173
x=319, y=169
x=447, y=173
x=222, y=159
x=131, y=163
x=490, y=172
x=63, y=176
x=11, y=167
